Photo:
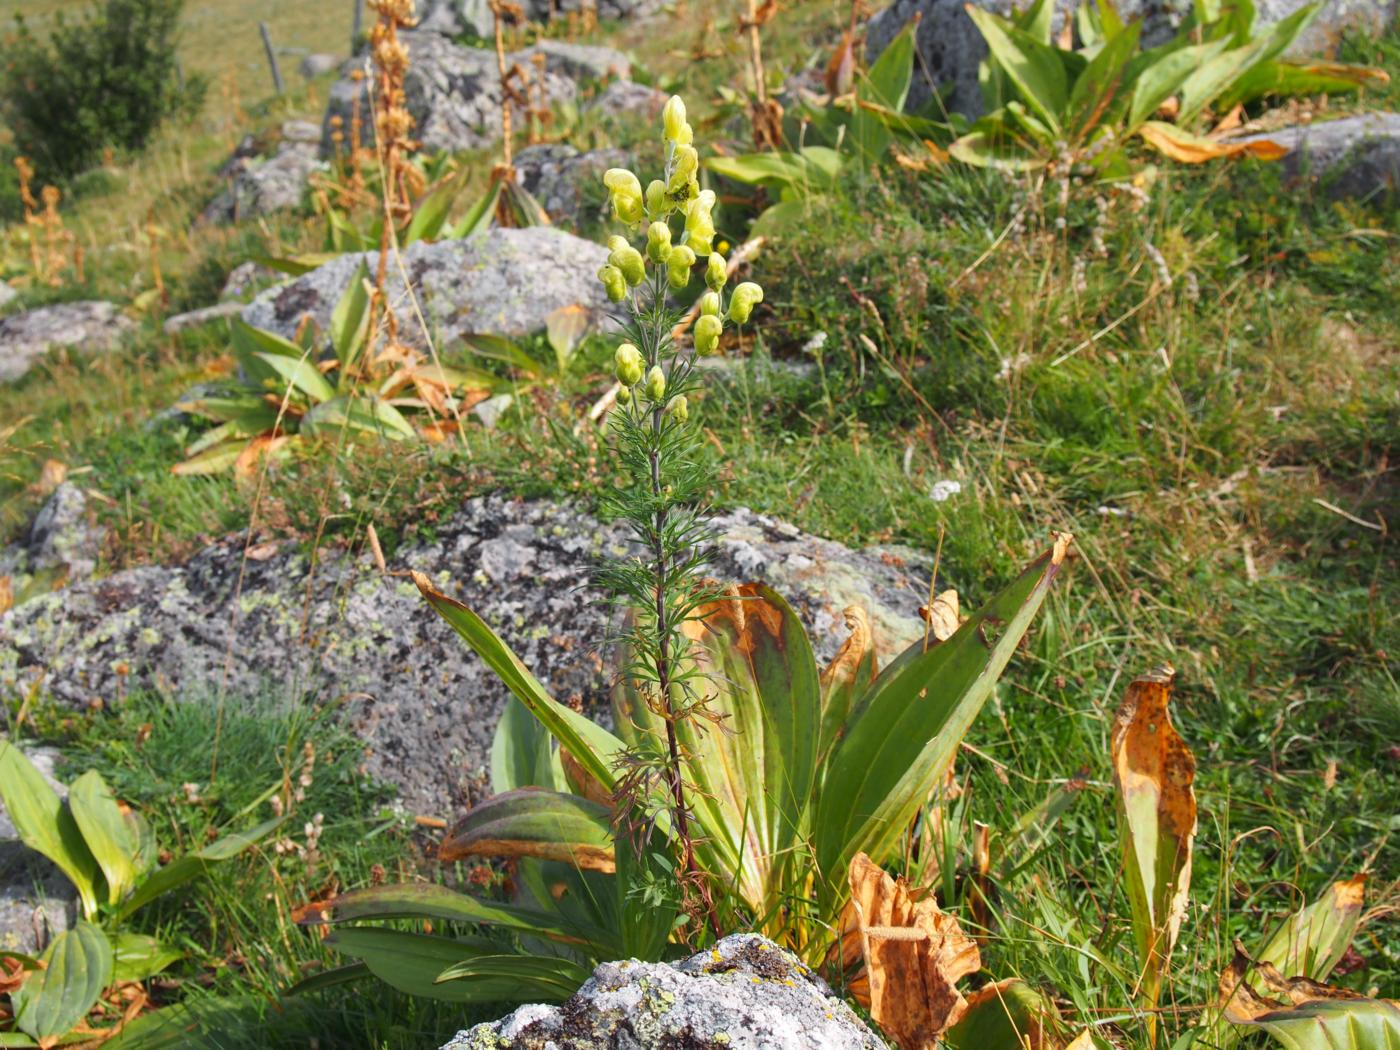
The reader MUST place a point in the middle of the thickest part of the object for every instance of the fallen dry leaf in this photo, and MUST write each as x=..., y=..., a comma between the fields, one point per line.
x=943, y=616
x=914, y=955
x=12, y=974
x=1186, y=148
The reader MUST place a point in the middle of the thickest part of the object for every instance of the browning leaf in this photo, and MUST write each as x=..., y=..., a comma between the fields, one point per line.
x=914, y=956
x=943, y=616
x=1154, y=771
x=1182, y=146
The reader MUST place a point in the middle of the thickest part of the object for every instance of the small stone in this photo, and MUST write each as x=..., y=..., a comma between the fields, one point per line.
x=317, y=64
x=90, y=327
x=62, y=536
x=247, y=277
x=195, y=318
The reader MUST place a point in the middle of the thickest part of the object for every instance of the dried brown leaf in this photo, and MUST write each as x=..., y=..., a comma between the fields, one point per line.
x=943, y=616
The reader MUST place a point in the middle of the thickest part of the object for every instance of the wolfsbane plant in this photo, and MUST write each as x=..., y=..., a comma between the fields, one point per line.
x=739, y=771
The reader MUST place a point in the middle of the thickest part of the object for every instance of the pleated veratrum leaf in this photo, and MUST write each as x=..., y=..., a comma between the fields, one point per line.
x=363, y=413
x=350, y=320
x=906, y=729
x=1315, y=938
x=108, y=835
x=1283, y=78
x=549, y=977
x=138, y=956
x=423, y=900
x=77, y=967
x=45, y=824
x=1033, y=67
x=1006, y=1015
x=594, y=747
x=849, y=674
x=532, y=822
x=1154, y=772
x=1333, y=1024
x=1163, y=75
x=413, y=962
x=521, y=755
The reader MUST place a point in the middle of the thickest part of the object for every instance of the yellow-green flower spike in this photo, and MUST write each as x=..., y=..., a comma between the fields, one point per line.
x=658, y=207
x=741, y=303
x=678, y=408
x=716, y=272
x=707, y=330
x=658, y=241
x=613, y=283
x=699, y=224
x=709, y=304
x=678, y=265
x=687, y=163
x=628, y=365
x=656, y=384
x=629, y=261
x=673, y=121
x=625, y=191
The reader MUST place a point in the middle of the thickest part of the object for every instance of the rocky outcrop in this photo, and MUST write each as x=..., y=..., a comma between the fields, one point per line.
x=262, y=183
x=89, y=327
x=745, y=993
x=454, y=92
x=626, y=96
x=950, y=47
x=498, y=282
x=1351, y=157
x=226, y=624
x=473, y=17
x=568, y=184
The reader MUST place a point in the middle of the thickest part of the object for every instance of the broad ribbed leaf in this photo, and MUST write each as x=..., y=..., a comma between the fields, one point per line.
x=350, y=320
x=553, y=979
x=361, y=413
x=995, y=147
x=77, y=967
x=1034, y=68
x=330, y=978
x=521, y=752
x=1315, y=938
x=885, y=85
x=430, y=215
x=299, y=374
x=1281, y=78
x=425, y=900
x=846, y=678
x=108, y=835
x=1101, y=81
x=138, y=957
x=1159, y=78
x=532, y=822
x=45, y=824
x=479, y=216
x=1334, y=1024
x=192, y=865
x=412, y=963
x=594, y=747
x=907, y=728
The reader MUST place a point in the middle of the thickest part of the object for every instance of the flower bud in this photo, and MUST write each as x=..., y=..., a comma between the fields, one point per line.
x=617, y=241
x=658, y=207
x=624, y=395
x=628, y=365
x=709, y=304
x=678, y=265
x=656, y=383
x=625, y=192
x=679, y=408
x=741, y=303
x=707, y=330
x=673, y=120
x=687, y=163
x=716, y=273
x=613, y=283
x=658, y=241
x=629, y=261
x=699, y=224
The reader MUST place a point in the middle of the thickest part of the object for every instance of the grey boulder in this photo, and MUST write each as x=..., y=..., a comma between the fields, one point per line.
x=454, y=92
x=473, y=17
x=317, y=64
x=263, y=184
x=626, y=96
x=89, y=327
x=950, y=47
x=425, y=706
x=1352, y=157
x=745, y=993
x=568, y=184
x=499, y=282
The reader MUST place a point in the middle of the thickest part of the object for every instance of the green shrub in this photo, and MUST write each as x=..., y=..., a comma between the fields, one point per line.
x=108, y=80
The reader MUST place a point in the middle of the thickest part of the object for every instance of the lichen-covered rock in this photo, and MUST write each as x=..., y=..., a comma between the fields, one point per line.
x=473, y=17
x=746, y=993
x=37, y=902
x=1352, y=157
x=499, y=282
x=425, y=706
x=89, y=327
x=261, y=185
x=452, y=91
x=950, y=47
x=626, y=96
x=568, y=184
x=247, y=277
x=63, y=535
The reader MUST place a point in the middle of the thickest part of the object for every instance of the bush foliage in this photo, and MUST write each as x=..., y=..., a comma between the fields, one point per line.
x=107, y=80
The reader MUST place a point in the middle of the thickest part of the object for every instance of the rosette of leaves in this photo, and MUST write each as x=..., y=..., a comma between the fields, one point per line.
x=108, y=853
x=288, y=392
x=1047, y=102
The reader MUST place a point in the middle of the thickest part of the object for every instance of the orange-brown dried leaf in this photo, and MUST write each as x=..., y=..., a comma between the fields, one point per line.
x=914, y=955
